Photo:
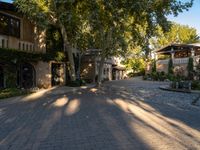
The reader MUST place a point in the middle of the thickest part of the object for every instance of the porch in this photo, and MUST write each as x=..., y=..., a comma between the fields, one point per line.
x=179, y=54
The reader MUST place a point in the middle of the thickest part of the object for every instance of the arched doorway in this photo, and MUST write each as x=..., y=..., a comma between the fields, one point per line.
x=27, y=76
x=1, y=77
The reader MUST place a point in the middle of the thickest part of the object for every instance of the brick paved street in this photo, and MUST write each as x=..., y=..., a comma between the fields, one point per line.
x=101, y=119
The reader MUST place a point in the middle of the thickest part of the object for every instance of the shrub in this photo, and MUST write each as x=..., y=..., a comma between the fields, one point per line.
x=195, y=85
x=190, y=68
x=179, y=71
x=154, y=66
x=76, y=83
x=170, y=66
x=10, y=92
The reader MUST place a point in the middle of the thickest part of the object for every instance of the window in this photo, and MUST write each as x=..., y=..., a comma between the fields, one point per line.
x=9, y=25
x=4, y=24
x=14, y=27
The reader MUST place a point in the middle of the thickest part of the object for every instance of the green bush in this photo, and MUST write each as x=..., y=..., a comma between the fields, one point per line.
x=76, y=83
x=195, y=85
x=171, y=77
x=154, y=76
x=170, y=66
x=10, y=92
x=190, y=68
x=135, y=74
x=154, y=66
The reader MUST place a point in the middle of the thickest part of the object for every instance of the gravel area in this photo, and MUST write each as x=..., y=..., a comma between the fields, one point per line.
x=149, y=91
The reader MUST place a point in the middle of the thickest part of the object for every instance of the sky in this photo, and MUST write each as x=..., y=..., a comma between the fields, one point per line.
x=190, y=18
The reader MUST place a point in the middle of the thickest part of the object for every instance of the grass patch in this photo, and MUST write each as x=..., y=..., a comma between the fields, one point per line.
x=11, y=92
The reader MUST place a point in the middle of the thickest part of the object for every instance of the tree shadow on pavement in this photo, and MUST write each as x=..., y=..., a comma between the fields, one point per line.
x=92, y=119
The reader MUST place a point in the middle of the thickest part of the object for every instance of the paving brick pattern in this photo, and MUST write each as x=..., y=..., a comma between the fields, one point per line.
x=106, y=119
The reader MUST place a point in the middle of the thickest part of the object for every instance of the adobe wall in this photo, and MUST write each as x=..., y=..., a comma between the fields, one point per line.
x=31, y=38
x=162, y=68
x=44, y=74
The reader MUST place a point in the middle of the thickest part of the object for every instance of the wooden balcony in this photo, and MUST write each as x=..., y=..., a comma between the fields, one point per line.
x=15, y=43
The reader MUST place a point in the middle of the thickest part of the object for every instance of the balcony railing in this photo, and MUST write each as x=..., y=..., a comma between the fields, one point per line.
x=5, y=42
x=178, y=61
x=164, y=61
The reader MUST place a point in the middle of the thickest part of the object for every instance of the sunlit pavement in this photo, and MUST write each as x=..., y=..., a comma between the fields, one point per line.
x=123, y=115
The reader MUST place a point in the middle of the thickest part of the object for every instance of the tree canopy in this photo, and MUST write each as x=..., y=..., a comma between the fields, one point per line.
x=112, y=26
x=177, y=34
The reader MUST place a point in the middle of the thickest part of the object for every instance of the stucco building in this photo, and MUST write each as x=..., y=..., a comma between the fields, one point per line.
x=112, y=70
x=179, y=54
x=20, y=34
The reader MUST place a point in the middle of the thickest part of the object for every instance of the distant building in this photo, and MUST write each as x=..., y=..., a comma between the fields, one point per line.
x=90, y=65
x=179, y=53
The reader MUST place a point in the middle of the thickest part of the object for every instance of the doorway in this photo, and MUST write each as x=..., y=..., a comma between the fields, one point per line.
x=56, y=74
x=27, y=76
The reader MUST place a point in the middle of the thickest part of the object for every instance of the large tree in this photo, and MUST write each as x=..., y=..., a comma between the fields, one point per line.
x=177, y=34
x=109, y=23
x=63, y=14
x=147, y=15
x=133, y=22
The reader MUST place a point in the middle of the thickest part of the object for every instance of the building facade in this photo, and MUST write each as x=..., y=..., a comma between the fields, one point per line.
x=179, y=54
x=112, y=70
x=20, y=34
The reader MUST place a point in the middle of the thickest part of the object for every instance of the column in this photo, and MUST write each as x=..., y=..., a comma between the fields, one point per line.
x=172, y=53
x=192, y=52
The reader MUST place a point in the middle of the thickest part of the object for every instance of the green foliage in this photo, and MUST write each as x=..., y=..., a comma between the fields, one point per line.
x=190, y=67
x=106, y=25
x=158, y=76
x=176, y=34
x=10, y=92
x=76, y=83
x=195, y=85
x=136, y=64
x=154, y=66
x=54, y=40
x=16, y=56
x=170, y=66
x=10, y=76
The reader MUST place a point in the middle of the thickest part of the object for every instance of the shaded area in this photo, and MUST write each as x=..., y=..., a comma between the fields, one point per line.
x=106, y=118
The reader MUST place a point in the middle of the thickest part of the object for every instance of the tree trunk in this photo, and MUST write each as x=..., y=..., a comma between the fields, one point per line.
x=69, y=49
x=79, y=66
x=101, y=66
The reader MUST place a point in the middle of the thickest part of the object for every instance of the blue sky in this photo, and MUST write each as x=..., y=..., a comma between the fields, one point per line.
x=191, y=17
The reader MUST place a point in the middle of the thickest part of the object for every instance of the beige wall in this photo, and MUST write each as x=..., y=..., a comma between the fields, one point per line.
x=44, y=74
x=162, y=68
x=31, y=39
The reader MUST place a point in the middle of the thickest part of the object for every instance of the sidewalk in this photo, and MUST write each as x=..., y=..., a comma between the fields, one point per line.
x=57, y=90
